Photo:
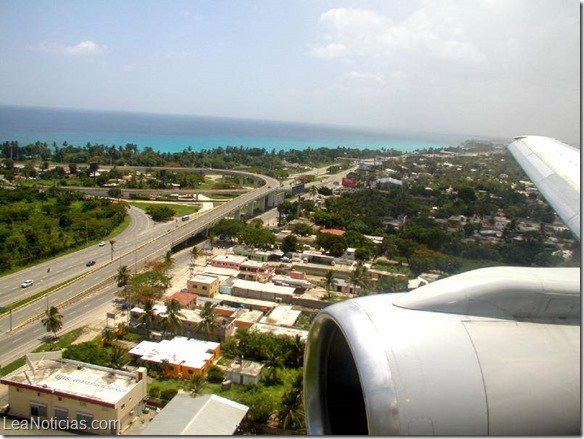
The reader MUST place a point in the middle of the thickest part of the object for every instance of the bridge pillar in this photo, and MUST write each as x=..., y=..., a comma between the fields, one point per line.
x=250, y=209
x=262, y=202
x=240, y=182
x=237, y=215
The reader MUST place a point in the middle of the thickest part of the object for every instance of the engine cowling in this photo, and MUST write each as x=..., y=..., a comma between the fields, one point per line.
x=493, y=351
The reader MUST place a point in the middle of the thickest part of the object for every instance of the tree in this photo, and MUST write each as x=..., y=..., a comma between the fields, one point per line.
x=114, y=192
x=107, y=336
x=290, y=244
x=171, y=321
x=303, y=229
x=196, y=384
x=122, y=276
x=295, y=352
x=160, y=213
x=53, y=320
x=168, y=260
x=333, y=244
x=148, y=315
x=119, y=357
x=291, y=415
x=360, y=277
x=274, y=362
x=329, y=283
x=208, y=321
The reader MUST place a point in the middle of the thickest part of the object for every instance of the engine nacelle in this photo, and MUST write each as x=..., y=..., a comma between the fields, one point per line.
x=493, y=351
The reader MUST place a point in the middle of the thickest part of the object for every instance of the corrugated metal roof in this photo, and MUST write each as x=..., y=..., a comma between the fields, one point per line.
x=204, y=415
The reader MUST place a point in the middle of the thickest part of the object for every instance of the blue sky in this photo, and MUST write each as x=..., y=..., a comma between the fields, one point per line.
x=483, y=67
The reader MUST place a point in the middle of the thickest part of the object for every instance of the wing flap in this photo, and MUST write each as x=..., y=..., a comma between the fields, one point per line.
x=554, y=168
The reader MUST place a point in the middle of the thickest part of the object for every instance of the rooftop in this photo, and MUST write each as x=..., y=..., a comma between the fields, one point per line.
x=229, y=258
x=220, y=271
x=205, y=415
x=282, y=315
x=189, y=352
x=281, y=330
x=265, y=287
x=201, y=278
x=73, y=379
x=183, y=297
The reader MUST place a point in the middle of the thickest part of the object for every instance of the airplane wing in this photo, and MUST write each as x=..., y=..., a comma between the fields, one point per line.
x=493, y=351
x=554, y=168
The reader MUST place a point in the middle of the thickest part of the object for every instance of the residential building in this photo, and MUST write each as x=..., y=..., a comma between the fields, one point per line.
x=244, y=372
x=256, y=271
x=262, y=291
x=208, y=415
x=202, y=285
x=180, y=357
x=186, y=299
x=75, y=394
x=228, y=261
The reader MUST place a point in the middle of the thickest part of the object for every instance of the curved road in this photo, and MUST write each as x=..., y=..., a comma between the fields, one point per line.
x=142, y=241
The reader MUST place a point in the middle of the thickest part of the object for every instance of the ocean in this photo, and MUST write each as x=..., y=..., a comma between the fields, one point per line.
x=174, y=133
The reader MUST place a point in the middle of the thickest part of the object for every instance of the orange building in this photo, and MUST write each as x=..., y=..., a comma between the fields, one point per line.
x=181, y=357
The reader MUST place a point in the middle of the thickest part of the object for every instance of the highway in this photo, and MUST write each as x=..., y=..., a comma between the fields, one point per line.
x=143, y=241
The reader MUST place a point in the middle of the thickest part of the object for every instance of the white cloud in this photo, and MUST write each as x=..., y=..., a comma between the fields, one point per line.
x=83, y=48
x=330, y=51
x=373, y=77
x=362, y=32
x=189, y=15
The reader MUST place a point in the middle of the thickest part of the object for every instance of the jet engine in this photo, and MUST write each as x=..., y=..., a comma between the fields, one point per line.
x=494, y=351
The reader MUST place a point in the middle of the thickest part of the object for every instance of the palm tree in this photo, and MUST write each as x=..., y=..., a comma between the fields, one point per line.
x=118, y=358
x=208, y=322
x=196, y=384
x=148, y=315
x=107, y=336
x=329, y=283
x=291, y=414
x=360, y=277
x=168, y=260
x=273, y=364
x=171, y=320
x=295, y=354
x=163, y=367
x=123, y=276
x=195, y=254
x=53, y=320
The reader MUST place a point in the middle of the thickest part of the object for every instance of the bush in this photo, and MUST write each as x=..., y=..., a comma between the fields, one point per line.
x=215, y=374
x=168, y=394
x=154, y=392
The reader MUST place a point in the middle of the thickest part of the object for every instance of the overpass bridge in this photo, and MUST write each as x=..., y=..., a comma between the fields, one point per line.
x=134, y=253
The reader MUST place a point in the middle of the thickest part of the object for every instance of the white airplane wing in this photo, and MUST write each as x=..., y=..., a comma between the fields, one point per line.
x=554, y=168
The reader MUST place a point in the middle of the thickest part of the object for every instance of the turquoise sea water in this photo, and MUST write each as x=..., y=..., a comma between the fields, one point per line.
x=173, y=133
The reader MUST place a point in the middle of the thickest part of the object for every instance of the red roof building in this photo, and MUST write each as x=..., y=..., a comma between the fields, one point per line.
x=187, y=300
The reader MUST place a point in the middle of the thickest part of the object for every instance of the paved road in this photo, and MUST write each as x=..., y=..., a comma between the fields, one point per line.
x=135, y=244
x=142, y=242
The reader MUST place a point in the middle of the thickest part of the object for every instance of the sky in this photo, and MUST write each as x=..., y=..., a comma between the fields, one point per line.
x=493, y=68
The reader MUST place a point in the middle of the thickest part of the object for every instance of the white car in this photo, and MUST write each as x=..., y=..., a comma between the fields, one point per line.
x=102, y=243
x=26, y=283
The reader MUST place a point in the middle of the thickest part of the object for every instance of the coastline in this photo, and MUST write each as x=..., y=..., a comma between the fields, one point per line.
x=175, y=133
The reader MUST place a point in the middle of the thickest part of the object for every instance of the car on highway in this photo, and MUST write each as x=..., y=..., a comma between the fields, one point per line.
x=90, y=263
x=102, y=243
x=26, y=283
